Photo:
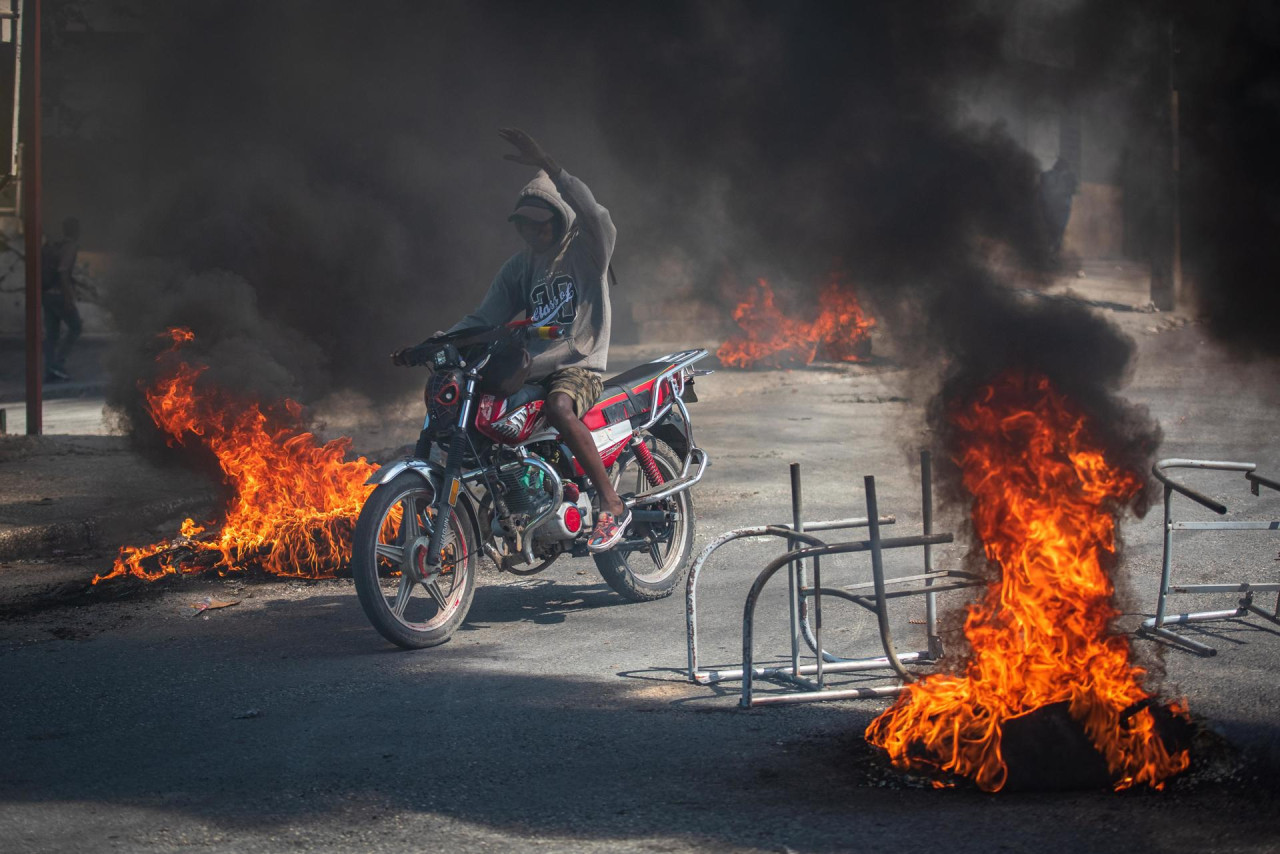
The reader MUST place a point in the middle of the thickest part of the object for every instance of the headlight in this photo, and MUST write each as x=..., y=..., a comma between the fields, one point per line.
x=442, y=394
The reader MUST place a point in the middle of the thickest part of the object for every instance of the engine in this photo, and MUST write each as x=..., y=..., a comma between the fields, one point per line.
x=523, y=488
x=567, y=522
x=524, y=491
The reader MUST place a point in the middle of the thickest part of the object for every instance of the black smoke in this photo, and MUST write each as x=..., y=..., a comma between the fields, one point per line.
x=1222, y=183
x=344, y=166
x=840, y=140
x=1228, y=73
x=336, y=168
x=1223, y=60
x=311, y=179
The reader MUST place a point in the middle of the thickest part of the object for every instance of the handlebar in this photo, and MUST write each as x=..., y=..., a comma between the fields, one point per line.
x=425, y=353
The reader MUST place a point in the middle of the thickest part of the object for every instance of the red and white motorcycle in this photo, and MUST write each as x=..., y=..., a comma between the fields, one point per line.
x=503, y=482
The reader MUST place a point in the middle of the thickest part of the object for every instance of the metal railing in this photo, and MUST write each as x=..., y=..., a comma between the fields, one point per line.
x=874, y=596
x=1155, y=626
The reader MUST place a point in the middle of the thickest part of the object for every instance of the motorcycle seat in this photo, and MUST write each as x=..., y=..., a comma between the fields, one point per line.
x=637, y=376
x=626, y=395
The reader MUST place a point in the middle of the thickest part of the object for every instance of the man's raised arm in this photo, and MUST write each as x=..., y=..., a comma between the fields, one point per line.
x=593, y=218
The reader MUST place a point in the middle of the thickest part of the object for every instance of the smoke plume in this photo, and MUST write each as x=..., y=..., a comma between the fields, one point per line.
x=327, y=183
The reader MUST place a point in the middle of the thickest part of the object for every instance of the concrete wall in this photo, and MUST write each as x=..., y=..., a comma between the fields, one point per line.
x=1096, y=227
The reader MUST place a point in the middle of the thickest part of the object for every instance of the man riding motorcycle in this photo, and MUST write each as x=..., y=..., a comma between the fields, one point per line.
x=502, y=469
x=561, y=278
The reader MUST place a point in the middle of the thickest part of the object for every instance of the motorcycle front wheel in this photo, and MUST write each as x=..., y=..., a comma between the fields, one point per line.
x=406, y=605
x=653, y=556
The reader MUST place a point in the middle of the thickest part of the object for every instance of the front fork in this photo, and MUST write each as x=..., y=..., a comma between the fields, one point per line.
x=450, y=485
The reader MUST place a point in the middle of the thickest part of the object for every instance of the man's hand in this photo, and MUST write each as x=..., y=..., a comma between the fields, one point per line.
x=531, y=154
x=401, y=356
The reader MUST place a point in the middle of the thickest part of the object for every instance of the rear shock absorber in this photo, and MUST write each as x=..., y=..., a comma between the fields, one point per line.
x=647, y=463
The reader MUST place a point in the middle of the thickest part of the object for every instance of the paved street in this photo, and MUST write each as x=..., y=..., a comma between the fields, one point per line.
x=558, y=718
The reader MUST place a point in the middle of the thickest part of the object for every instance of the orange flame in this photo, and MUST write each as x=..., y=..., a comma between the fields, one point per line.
x=295, y=501
x=1045, y=500
x=769, y=338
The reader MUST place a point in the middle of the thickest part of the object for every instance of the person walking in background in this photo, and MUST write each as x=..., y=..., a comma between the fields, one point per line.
x=1057, y=187
x=58, y=296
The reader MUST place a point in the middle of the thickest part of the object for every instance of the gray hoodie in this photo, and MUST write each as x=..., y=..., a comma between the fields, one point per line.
x=566, y=285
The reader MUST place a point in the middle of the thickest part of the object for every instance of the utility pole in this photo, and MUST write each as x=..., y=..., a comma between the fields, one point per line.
x=1166, y=240
x=30, y=21
x=13, y=30
x=1175, y=177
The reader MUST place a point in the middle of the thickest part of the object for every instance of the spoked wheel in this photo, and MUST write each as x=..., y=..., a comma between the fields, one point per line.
x=407, y=604
x=653, y=555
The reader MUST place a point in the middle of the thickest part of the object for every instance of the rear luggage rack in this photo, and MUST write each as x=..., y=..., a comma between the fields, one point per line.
x=693, y=453
x=680, y=484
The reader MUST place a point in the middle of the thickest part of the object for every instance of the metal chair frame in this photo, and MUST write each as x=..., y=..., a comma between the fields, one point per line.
x=873, y=595
x=1155, y=626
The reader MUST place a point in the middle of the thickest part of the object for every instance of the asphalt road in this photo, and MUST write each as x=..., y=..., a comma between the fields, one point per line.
x=558, y=719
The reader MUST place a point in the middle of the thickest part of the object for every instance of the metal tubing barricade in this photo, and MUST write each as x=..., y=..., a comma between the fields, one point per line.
x=706, y=677
x=1155, y=626
x=873, y=596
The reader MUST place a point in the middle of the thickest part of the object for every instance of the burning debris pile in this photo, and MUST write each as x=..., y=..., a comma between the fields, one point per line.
x=294, y=500
x=1045, y=499
x=769, y=338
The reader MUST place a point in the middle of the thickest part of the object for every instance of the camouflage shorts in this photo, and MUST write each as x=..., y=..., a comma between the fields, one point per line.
x=582, y=386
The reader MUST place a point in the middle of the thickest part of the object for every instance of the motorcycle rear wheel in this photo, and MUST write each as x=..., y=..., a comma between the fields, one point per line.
x=648, y=571
x=388, y=562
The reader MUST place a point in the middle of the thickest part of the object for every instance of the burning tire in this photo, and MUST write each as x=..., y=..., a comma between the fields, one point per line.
x=406, y=605
x=653, y=556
